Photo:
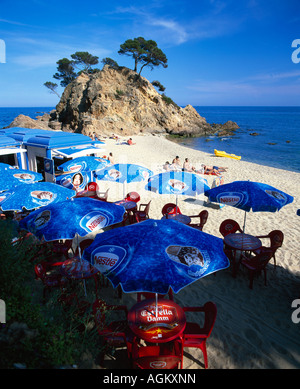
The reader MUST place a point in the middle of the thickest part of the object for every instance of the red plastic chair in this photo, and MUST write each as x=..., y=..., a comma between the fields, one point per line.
x=143, y=212
x=170, y=208
x=164, y=356
x=276, y=239
x=196, y=336
x=115, y=333
x=257, y=264
x=203, y=216
x=49, y=280
x=229, y=226
x=132, y=196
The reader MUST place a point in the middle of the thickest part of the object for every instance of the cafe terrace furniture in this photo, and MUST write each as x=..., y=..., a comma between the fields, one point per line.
x=61, y=247
x=130, y=208
x=115, y=333
x=170, y=208
x=229, y=226
x=143, y=212
x=257, y=263
x=50, y=279
x=78, y=269
x=160, y=322
x=162, y=356
x=156, y=320
x=237, y=243
x=132, y=196
x=203, y=216
x=178, y=217
x=275, y=238
x=195, y=335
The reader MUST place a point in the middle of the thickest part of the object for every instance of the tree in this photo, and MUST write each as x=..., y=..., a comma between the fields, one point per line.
x=110, y=62
x=158, y=85
x=143, y=52
x=52, y=86
x=85, y=60
x=65, y=72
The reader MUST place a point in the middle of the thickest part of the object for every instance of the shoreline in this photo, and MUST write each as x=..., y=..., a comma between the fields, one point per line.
x=254, y=328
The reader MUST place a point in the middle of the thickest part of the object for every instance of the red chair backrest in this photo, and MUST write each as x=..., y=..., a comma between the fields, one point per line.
x=203, y=217
x=276, y=238
x=170, y=208
x=91, y=186
x=40, y=271
x=132, y=196
x=229, y=226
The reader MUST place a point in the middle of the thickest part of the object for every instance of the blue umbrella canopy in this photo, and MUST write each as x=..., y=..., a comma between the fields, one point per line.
x=34, y=195
x=123, y=172
x=177, y=183
x=86, y=163
x=4, y=166
x=249, y=195
x=12, y=177
x=66, y=219
x=154, y=255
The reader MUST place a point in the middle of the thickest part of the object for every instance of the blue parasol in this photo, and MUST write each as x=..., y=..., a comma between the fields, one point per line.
x=31, y=196
x=177, y=183
x=86, y=163
x=123, y=172
x=66, y=219
x=12, y=177
x=154, y=255
x=249, y=195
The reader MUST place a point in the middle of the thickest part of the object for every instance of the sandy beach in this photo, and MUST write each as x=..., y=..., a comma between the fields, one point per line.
x=254, y=328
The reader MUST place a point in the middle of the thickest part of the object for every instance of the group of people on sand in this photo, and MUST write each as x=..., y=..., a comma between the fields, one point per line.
x=187, y=167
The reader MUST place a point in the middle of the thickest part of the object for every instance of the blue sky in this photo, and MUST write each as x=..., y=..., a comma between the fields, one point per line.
x=236, y=52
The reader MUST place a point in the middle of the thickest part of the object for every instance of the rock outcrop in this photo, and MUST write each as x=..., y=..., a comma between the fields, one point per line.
x=113, y=99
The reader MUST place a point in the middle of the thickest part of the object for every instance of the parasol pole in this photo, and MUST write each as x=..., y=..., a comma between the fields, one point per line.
x=79, y=251
x=176, y=204
x=244, y=226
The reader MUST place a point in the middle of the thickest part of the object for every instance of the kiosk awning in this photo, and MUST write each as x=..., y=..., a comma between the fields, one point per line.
x=74, y=152
x=11, y=150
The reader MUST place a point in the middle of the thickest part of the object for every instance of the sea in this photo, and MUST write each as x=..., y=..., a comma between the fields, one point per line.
x=277, y=129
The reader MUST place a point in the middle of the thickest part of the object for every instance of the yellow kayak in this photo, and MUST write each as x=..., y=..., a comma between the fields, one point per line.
x=224, y=154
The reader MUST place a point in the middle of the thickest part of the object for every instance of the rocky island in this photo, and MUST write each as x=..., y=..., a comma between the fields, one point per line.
x=114, y=99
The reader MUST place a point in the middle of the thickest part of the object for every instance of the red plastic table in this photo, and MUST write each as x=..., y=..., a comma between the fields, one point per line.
x=168, y=325
x=241, y=242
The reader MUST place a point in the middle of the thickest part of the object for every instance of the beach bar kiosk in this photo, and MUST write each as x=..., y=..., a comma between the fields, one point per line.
x=45, y=150
x=12, y=152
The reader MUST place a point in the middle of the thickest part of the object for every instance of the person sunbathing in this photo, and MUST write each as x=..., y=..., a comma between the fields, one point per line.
x=130, y=142
x=187, y=167
x=177, y=164
x=213, y=169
